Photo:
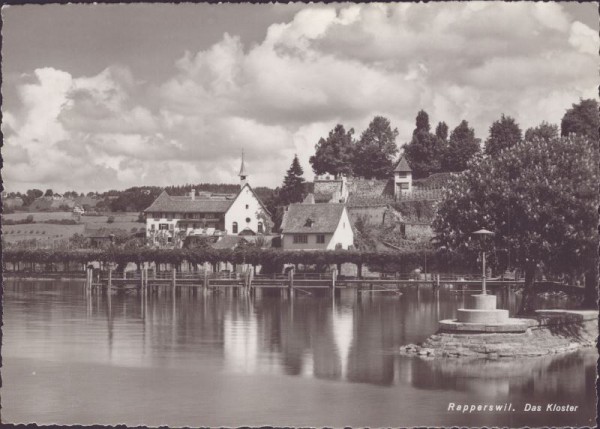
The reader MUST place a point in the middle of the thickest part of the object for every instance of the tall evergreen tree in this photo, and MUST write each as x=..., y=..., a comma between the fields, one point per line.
x=335, y=154
x=441, y=131
x=292, y=190
x=425, y=150
x=375, y=151
x=504, y=134
x=582, y=119
x=461, y=148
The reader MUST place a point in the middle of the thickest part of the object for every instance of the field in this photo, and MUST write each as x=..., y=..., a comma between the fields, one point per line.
x=40, y=231
x=54, y=233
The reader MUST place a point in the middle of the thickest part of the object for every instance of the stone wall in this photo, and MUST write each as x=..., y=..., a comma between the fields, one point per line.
x=559, y=332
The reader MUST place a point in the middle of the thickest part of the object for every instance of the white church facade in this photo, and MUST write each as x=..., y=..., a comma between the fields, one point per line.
x=172, y=218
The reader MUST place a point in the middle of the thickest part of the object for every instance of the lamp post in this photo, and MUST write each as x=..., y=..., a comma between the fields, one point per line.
x=482, y=233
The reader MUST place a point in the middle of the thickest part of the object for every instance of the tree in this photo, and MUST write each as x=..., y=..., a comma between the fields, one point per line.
x=544, y=131
x=425, y=150
x=582, y=119
x=31, y=195
x=334, y=155
x=461, y=148
x=504, y=133
x=540, y=200
x=441, y=131
x=49, y=193
x=292, y=190
x=376, y=150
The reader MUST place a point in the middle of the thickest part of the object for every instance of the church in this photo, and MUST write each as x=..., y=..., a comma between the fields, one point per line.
x=172, y=218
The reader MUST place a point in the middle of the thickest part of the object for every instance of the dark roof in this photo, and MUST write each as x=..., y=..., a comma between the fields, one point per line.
x=166, y=203
x=402, y=165
x=325, y=218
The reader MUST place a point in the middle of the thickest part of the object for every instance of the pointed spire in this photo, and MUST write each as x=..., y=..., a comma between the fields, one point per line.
x=242, y=172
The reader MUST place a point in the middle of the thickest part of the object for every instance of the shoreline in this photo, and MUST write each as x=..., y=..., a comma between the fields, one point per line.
x=552, y=332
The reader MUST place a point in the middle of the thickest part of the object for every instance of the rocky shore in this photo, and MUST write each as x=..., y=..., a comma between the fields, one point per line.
x=551, y=332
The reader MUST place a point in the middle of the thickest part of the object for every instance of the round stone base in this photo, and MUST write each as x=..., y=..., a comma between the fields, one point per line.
x=466, y=315
x=509, y=325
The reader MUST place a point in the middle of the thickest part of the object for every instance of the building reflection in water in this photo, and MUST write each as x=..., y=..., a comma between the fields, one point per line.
x=353, y=339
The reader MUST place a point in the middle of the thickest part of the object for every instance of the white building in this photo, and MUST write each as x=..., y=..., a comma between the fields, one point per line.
x=325, y=226
x=174, y=217
x=402, y=177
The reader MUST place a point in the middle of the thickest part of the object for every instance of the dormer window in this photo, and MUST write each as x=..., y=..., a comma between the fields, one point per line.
x=309, y=223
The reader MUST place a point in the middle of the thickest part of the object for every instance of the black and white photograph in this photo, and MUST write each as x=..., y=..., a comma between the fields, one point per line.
x=300, y=214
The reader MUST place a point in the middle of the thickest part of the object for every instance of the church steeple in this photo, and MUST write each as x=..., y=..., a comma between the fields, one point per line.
x=243, y=175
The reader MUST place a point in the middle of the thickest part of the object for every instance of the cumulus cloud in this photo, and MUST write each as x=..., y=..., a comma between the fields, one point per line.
x=328, y=65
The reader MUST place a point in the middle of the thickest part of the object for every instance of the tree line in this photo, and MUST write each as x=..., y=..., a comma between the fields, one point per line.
x=374, y=153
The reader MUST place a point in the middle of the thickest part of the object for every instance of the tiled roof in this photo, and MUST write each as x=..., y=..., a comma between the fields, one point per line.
x=325, y=218
x=402, y=165
x=166, y=203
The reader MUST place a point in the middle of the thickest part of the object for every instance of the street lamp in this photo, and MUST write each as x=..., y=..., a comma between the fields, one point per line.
x=482, y=233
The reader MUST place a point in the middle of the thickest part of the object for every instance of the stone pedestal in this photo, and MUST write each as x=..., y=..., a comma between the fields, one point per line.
x=482, y=309
x=481, y=315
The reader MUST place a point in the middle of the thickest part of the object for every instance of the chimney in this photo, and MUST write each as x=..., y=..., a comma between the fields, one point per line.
x=193, y=194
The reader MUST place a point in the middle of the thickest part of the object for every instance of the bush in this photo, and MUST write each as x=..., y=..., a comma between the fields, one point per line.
x=62, y=221
x=111, y=219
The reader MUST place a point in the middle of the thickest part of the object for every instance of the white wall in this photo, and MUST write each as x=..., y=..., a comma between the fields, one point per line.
x=238, y=212
x=343, y=234
x=288, y=242
x=399, y=180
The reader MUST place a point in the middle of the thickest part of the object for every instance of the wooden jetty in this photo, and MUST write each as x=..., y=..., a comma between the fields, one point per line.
x=205, y=281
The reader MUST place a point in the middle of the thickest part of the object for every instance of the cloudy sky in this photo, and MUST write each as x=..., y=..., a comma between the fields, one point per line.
x=101, y=97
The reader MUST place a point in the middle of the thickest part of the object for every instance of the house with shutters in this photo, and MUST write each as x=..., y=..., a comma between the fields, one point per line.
x=316, y=226
x=170, y=219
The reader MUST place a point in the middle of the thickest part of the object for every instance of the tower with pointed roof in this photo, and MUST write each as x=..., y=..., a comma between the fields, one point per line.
x=243, y=174
x=402, y=177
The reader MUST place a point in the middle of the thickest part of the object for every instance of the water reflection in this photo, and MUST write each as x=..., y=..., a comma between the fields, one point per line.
x=351, y=340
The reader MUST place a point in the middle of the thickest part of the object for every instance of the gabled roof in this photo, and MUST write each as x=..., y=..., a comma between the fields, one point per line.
x=325, y=218
x=185, y=204
x=402, y=165
x=166, y=203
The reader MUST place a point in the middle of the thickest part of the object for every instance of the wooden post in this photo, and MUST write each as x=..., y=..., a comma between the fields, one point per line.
x=109, y=279
x=174, y=280
x=333, y=279
x=291, y=281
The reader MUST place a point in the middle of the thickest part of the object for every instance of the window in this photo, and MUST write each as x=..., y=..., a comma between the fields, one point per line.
x=234, y=228
x=404, y=186
x=260, y=227
x=153, y=227
x=402, y=174
x=163, y=226
x=309, y=222
x=300, y=238
x=247, y=206
x=172, y=226
x=320, y=238
x=248, y=220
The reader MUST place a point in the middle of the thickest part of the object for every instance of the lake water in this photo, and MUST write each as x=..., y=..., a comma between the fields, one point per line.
x=226, y=360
